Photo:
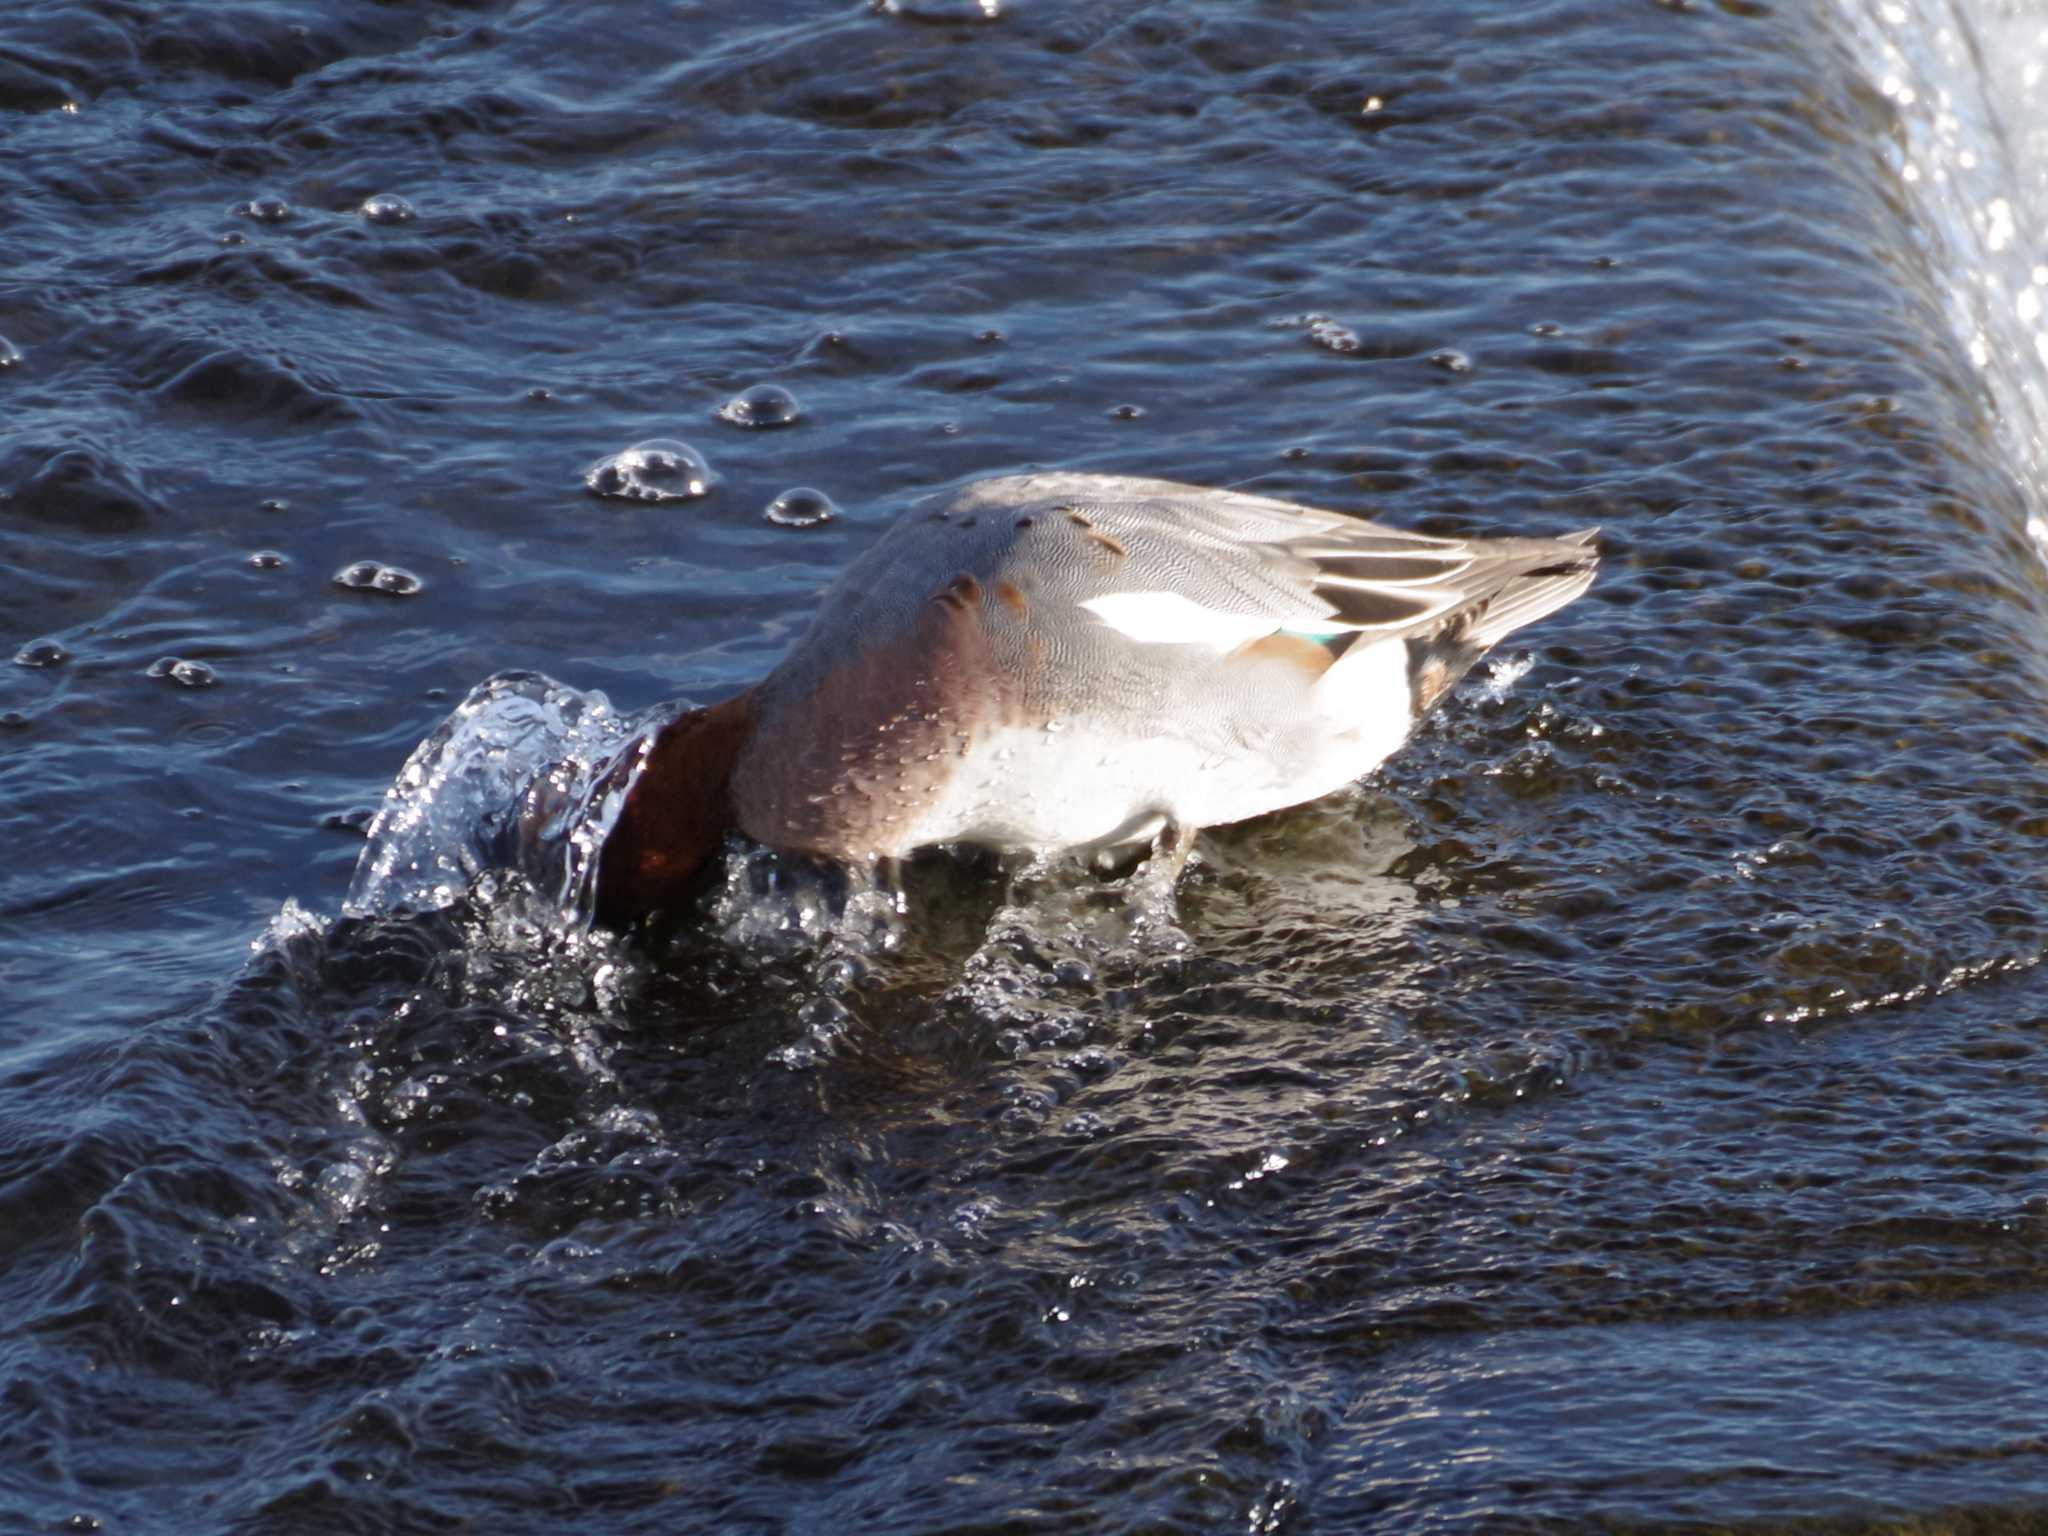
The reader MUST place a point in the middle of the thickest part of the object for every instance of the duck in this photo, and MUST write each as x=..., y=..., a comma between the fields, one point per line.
x=1055, y=662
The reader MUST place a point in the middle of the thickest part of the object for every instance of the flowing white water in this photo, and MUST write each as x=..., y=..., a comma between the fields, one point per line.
x=1967, y=85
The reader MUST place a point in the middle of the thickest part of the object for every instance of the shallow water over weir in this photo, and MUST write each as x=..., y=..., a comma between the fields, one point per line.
x=1624, y=1111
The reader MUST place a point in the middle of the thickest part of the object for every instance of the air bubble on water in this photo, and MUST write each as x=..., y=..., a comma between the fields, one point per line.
x=186, y=674
x=13, y=720
x=1126, y=412
x=276, y=504
x=660, y=469
x=764, y=405
x=941, y=12
x=387, y=208
x=10, y=355
x=268, y=560
x=370, y=576
x=1451, y=360
x=41, y=653
x=801, y=507
x=265, y=210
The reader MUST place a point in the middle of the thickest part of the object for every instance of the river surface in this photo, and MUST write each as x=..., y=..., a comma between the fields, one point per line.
x=1625, y=1111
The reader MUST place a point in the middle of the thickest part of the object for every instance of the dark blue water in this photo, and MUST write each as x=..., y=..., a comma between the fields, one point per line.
x=1623, y=1112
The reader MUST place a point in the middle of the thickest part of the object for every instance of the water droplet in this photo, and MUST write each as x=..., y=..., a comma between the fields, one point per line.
x=1451, y=360
x=801, y=507
x=989, y=337
x=41, y=653
x=540, y=394
x=369, y=576
x=765, y=405
x=10, y=355
x=387, y=208
x=268, y=560
x=186, y=674
x=1126, y=412
x=660, y=469
x=265, y=210
x=1546, y=328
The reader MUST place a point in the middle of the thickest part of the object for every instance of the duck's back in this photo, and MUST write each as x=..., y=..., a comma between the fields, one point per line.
x=1070, y=660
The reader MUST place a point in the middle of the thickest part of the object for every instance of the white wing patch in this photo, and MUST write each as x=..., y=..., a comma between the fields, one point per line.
x=1167, y=618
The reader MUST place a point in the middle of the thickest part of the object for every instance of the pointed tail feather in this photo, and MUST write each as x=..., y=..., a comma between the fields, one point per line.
x=1536, y=593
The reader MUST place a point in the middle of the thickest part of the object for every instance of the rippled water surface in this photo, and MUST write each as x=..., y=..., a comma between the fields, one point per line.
x=1625, y=1111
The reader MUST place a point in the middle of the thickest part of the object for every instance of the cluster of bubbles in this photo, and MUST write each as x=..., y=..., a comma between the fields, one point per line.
x=379, y=208
x=666, y=469
x=1342, y=339
x=186, y=674
x=370, y=576
x=1323, y=331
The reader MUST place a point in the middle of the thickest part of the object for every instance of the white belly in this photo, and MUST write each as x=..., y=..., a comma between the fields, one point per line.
x=1086, y=784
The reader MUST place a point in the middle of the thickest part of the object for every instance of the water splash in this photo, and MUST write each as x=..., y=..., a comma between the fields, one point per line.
x=526, y=775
